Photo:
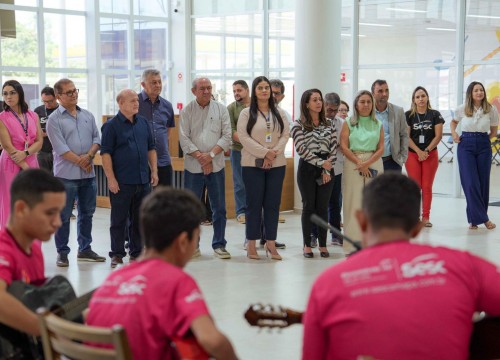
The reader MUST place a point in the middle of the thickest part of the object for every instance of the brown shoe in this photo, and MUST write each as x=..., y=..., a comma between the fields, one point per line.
x=115, y=261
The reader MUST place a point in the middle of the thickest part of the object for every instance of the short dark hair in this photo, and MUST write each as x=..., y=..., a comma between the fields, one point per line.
x=392, y=200
x=48, y=91
x=20, y=91
x=58, y=86
x=243, y=84
x=278, y=83
x=30, y=185
x=166, y=213
x=378, y=82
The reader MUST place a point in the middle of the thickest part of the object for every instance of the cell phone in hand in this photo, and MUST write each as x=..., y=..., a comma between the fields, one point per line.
x=259, y=163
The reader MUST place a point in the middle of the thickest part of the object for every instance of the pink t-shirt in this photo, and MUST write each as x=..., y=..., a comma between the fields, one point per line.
x=153, y=300
x=16, y=264
x=399, y=301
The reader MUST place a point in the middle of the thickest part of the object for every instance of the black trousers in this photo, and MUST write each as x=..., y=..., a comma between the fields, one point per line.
x=315, y=199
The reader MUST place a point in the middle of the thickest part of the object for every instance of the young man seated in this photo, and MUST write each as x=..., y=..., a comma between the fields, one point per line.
x=395, y=299
x=153, y=298
x=37, y=199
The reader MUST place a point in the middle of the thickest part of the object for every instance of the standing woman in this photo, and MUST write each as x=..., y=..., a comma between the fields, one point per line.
x=21, y=138
x=263, y=134
x=362, y=142
x=479, y=124
x=425, y=129
x=315, y=140
x=343, y=109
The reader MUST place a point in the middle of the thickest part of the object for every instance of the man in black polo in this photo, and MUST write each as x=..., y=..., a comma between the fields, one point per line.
x=130, y=164
x=44, y=156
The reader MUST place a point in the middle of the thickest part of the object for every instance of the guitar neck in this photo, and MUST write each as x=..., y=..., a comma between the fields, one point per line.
x=73, y=309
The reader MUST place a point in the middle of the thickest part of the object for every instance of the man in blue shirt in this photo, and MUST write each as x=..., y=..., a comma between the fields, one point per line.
x=75, y=140
x=160, y=115
x=129, y=162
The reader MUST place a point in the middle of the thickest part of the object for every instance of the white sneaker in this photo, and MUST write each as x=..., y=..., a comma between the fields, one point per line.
x=222, y=253
x=196, y=254
x=241, y=218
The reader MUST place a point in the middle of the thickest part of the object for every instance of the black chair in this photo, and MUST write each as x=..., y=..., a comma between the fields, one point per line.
x=448, y=144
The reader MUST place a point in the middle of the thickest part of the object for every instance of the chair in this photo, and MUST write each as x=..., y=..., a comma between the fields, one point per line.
x=63, y=337
x=449, y=148
x=495, y=149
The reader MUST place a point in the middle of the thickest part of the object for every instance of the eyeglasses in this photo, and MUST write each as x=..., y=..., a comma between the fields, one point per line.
x=342, y=110
x=71, y=92
x=11, y=93
x=49, y=101
x=276, y=93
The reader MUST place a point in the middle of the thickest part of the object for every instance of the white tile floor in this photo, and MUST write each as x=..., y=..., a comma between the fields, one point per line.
x=231, y=285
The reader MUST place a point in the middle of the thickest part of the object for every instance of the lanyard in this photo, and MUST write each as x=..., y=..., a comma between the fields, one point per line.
x=420, y=122
x=25, y=128
x=268, y=122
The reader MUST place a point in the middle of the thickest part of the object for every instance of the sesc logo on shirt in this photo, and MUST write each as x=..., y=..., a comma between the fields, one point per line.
x=427, y=264
x=193, y=296
x=135, y=286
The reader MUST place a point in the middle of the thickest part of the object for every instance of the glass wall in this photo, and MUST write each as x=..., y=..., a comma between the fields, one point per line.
x=58, y=39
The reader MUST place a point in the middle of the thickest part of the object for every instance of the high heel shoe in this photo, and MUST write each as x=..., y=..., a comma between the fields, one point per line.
x=308, y=255
x=324, y=254
x=273, y=256
x=253, y=256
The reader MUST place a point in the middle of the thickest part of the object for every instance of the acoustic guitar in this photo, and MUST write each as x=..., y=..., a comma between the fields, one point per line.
x=484, y=343
x=56, y=294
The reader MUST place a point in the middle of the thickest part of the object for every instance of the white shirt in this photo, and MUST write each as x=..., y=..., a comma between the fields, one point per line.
x=201, y=128
x=479, y=122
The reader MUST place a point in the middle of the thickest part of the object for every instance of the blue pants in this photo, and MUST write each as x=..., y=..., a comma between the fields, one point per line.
x=125, y=205
x=391, y=165
x=474, y=164
x=263, y=193
x=334, y=207
x=239, y=186
x=215, y=183
x=85, y=192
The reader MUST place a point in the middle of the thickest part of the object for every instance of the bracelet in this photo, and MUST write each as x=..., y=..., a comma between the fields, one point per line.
x=427, y=150
x=27, y=152
x=91, y=156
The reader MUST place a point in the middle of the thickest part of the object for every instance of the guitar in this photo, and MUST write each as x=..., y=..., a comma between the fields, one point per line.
x=484, y=342
x=56, y=294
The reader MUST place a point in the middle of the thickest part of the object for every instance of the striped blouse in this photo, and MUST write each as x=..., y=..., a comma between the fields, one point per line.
x=320, y=140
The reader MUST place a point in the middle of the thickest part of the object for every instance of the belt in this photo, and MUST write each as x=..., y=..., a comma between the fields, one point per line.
x=386, y=158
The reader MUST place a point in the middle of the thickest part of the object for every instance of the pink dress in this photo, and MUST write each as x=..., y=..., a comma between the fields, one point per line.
x=8, y=168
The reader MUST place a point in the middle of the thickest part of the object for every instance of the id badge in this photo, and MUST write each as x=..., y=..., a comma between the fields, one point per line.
x=26, y=145
x=269, y=138
x=421, y=139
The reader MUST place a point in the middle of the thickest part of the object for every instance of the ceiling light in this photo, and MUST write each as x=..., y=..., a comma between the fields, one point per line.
x=484, y=16
x=406, y=10
x=370, y=24
x=440, y=29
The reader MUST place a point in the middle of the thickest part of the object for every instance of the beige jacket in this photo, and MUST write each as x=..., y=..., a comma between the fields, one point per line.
x=255, y=145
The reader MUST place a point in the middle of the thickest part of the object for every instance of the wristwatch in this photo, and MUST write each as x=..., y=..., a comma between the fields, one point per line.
x=212, y=155
x=27, y=152
x=91, y=156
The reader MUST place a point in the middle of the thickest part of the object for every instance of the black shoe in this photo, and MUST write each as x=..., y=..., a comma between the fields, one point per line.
x=62, y=260
x=314, y=241
x=262, y=242
x=279, y=245
x=308, y=255
x=337, y=242
x=324, y=254
x=115, y=261
x=91, y=256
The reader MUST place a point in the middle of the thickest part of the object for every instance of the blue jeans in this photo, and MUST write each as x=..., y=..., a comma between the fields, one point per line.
x=125, y=205
x=215, y=183
x=85, y=192
x=239, y=186
x=263, y=201
x=391, y=165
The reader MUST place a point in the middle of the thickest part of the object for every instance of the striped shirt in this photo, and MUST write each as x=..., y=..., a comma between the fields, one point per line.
x=320, y=140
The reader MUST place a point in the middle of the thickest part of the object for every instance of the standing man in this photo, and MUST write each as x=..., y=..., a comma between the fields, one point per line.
x=205, y=133
x=129, y=162
x=75, y=138
x=160, y=115
x=44, y=156
x=393, y=121
x=242, y=100
x=278, y=90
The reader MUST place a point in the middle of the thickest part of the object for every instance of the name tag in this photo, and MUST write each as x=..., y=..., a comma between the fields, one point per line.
x=421, y=139
x=269, y=137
